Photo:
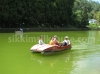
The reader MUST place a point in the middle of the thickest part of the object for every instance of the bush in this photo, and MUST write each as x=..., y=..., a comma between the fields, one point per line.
x=93, y=25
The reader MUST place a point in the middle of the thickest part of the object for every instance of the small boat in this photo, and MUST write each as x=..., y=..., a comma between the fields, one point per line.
x=46, y=48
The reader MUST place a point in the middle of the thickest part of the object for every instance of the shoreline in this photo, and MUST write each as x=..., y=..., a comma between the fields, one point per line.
x=12, y=30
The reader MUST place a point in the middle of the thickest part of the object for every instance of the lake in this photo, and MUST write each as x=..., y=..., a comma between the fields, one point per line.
x=83, y=58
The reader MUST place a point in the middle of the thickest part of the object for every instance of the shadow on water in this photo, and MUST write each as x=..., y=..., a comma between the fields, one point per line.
x=53, y=53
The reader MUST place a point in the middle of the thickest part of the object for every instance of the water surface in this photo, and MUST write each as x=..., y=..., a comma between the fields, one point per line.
x=83, y=58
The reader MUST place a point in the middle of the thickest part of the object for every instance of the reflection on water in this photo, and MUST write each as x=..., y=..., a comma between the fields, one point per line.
x=87, y=65
x=19, y=34
x=87, y=62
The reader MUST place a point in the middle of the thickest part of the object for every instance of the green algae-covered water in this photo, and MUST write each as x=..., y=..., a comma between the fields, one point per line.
x=83, y=58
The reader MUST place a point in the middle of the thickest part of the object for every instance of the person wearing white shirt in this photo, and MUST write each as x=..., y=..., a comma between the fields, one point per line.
x=65, y=42
x=21, y=29
x=41, y=41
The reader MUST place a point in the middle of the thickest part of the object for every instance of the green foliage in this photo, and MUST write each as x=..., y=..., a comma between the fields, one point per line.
x=84, y=10
x=93, y=25
x=36, y=13
x=97, y=16
x=84, y=17
x=47, y=13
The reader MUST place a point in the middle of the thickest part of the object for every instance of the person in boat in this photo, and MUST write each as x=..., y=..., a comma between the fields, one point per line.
x=51, y=41
x=21, y=29
x=66, y=41
x=56, y=42
x=41, y=41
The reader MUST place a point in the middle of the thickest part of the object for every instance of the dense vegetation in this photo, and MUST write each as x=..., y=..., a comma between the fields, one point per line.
x=47, y=13
x=92, y=7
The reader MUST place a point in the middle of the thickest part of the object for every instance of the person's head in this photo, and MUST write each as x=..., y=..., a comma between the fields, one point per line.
x=52, y=38
x=55, y=36
x=66, y=37
x=41, y=37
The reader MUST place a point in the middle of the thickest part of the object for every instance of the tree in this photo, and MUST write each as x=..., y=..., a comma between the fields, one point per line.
x=84, y=21
x=36, y=13
x=97, y=16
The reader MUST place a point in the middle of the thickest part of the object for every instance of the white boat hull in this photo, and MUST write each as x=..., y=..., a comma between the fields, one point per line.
x=40, y=48
x=48, y=48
